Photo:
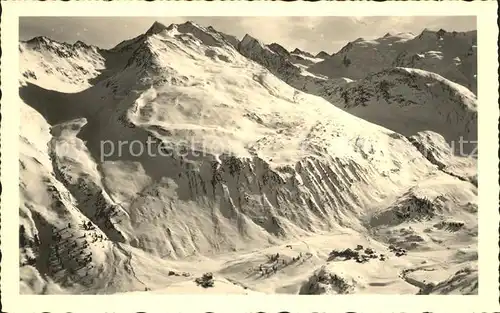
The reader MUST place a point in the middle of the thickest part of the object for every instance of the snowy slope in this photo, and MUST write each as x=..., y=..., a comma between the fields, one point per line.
x=431, y=101
x=461, y=164
x=395, y=96
x=55, y=65
x=281, y=63
x=449, y=54
x=249, y=166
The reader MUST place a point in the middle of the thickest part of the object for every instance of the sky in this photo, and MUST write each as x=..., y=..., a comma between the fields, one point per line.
x=309, y=33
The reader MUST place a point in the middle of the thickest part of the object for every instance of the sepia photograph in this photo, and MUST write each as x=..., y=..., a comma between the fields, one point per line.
x=250, y=155
x=181, y=158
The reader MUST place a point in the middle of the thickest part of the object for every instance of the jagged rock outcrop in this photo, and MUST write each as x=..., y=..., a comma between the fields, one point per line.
x=279, y=49
x=275, y=62
x=326, y=281
x=281, y=65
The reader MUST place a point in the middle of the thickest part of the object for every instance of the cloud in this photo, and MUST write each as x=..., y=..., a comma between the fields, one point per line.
x=310, y=33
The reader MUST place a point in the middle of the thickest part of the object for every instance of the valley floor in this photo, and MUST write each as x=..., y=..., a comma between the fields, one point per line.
x=302, y=267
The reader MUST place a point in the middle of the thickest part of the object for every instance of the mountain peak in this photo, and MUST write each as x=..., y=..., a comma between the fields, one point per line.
x=191, y=23
x=441, y=32
x=249, y=43
x=248, y=38
x=322, y=55
x=278, y=49
x=156, y=28
x=298, y=51
x=82, y=44
x=40, y=39
x=429, y=33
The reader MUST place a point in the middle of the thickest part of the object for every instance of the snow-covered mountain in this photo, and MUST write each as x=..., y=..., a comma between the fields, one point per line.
x=394, y=96
x=245, y=172
x=449, y=54
x=404, y=92
x=53, y=64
